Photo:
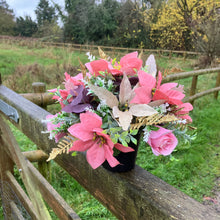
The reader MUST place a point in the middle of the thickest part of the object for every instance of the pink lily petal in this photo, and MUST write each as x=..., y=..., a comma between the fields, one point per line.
x=95, y=156
x=159, y=80
x=143, y=95
x=146, y=79
x=123, y=148
x=96, y=66
x=80, y=131
x=184, y=108
x=52, y=90
x=99, y=132
x=187, y=117
x=80, y=145
x=167, y=86
x=109, y=157
x=159, y=95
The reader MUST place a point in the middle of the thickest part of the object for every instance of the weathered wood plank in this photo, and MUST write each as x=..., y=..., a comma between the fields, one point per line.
x=16, y=214
x=8, y=140
x=40, y=99
x=53, y=199
x=21, y=195
x=201, y=94
x=35, y=155
x=7, y=195
x=132, y=195
x=184, y=75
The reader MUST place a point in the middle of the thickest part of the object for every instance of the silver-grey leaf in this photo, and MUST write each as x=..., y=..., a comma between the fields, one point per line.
x=150, y=66
x=105, y=95
x=125, y=90
x=140, y=110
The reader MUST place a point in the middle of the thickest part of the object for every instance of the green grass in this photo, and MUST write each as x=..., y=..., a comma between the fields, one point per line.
x=195, y=166
x=86, y=206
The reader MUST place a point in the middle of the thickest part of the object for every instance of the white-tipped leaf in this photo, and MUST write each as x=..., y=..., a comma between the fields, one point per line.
x=150, y=66
x=104, y=95
x=140, y=110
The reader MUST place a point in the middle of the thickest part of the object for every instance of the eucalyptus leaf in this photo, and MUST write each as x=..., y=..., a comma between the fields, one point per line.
x=134, y=140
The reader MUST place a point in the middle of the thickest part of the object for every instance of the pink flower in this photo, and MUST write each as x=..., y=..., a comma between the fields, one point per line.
x=52, y=127
x=72, y=82
x=143, y=94
x=96, y=66
x=64, y=94
x=129, y=64
x=183, y=111
x=168, y=92
x=99, y=146
x=162, y=141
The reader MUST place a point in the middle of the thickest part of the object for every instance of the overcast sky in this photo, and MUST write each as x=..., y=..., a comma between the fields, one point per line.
x=27, y=7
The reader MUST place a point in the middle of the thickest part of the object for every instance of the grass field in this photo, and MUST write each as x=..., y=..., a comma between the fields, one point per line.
x=192, y=169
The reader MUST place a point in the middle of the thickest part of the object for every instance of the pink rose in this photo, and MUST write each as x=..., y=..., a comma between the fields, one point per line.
x=162, y=141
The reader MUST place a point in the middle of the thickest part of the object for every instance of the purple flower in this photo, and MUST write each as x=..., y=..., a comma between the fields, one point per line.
x=78, y=103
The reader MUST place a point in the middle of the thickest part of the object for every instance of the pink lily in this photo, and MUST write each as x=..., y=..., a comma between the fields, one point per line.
x=128, y=64
x=143, y=94
x=97, y=66
x=168, y=92
x=72, y=82
x=98, y=145
x=183, y=111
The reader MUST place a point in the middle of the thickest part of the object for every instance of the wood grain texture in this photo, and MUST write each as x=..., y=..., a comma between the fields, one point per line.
x=21, y=195
x=133, y=195
x=53, y=199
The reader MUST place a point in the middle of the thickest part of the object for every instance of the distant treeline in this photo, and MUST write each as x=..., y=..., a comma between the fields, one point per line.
x=190, y=25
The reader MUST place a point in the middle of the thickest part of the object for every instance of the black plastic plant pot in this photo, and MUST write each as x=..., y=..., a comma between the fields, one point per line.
x=127, y=160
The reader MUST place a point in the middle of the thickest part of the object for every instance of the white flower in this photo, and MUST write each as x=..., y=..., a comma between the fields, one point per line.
x=90, y=56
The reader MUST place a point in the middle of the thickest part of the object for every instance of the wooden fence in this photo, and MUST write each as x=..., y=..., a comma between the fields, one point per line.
x=43, y=99
x=133, y=195
x=94, y=48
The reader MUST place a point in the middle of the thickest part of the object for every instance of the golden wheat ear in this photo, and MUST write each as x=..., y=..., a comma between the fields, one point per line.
x=83, y=68
x=153, y=120
x=62, y=147
x=102, y=54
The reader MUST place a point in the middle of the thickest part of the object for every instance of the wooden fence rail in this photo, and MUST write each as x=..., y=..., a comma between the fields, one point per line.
x=93, y=48
x=35, y=184
x=134, y=195
x=44, y=99
x=194, y=75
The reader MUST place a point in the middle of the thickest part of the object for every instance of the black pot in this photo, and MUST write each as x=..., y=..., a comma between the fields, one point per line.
x=127, y=160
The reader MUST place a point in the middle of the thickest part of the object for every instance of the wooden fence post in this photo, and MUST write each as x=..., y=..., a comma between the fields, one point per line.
x=216, y=85
x=193, y=87
x=184, y=56
x=170, y=54
x=43, y=166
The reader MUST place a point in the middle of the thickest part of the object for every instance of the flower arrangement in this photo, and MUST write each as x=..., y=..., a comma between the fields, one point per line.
x=109, y=104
